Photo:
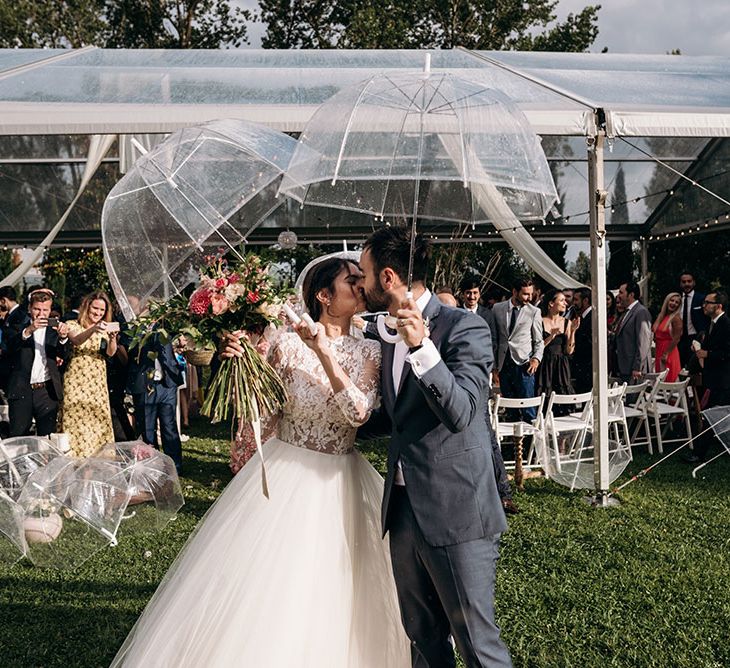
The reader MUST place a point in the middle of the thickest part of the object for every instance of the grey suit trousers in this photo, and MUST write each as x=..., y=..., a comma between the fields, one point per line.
x=461, y=577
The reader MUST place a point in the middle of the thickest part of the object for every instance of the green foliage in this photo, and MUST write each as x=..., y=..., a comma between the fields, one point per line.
x=498, y=24
x=581, y=268
x=155, y=24
x=642, y=585
x=622, y=260
x=6, y=262
x=75, y=271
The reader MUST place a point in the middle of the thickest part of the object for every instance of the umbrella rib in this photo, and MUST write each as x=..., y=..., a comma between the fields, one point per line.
x=392, y=162
x=347, y=129
x=452, y=103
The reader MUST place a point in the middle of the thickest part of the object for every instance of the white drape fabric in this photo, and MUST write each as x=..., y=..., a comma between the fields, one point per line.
x=98, y=147
x=508, y=225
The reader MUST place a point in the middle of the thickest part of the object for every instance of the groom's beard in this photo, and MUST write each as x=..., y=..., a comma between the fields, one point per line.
x=376, y=299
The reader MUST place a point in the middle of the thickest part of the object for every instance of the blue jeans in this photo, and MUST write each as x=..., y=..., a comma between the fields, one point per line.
x=516, y=383
x=160, y=404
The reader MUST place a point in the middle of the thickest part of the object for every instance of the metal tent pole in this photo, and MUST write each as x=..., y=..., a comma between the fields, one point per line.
x=597, y=201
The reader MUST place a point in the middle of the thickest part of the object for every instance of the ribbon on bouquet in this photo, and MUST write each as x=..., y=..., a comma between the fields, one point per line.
x=256, y=425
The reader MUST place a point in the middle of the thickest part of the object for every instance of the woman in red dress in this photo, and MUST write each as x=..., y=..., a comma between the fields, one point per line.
x=667, y=330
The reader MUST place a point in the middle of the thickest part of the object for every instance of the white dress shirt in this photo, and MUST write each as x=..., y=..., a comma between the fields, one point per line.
x=39, y=371
x=687, y=298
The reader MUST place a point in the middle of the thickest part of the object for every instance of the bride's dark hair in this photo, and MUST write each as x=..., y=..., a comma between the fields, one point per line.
x=321, y=277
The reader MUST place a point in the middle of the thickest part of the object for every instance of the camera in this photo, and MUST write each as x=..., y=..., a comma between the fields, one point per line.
x=112, y=326
x=52, y=322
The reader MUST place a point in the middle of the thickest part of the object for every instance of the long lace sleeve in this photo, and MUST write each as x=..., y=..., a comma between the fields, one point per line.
x=358, y=400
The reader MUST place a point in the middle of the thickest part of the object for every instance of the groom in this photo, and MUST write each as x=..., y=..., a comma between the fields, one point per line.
x=440, y=503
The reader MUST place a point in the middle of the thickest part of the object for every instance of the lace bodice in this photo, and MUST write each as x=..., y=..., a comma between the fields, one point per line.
x=315, y=417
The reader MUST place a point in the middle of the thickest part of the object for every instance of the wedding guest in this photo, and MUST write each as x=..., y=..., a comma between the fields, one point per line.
x=446, y=296
x=73, y=312
x=619, y=311
x=667, y=330
x=715, y=358
x=518, y=344
x=14, y=318
x=633, y=335
x=559, y=339
x=569, y=312
x=153, y=376
x=116, y=379
x=86, y=410
x=611, y=313
x=582, y=361
x=694, y=320
x=35, y=388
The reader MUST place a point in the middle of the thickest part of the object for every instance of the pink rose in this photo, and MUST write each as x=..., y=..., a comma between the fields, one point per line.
x=199, y=302
x=252, y=297
x=219, y=304
x=221, y=283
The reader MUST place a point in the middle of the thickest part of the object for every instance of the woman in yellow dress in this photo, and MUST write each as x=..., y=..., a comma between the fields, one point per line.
x=86, y=413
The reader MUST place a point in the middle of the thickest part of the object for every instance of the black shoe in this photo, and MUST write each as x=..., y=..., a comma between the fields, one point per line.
x=509, y=507
x=692, y=459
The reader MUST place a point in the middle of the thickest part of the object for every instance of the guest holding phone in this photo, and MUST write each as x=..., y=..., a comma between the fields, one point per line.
x=34, y=349
x=86, y=412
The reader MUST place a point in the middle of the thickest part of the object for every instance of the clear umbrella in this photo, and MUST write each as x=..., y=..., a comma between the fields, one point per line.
x=12, y=539
x=72, y=510
x=203, y=187
x=422, y=145
x=154, y=486
x=20, y=456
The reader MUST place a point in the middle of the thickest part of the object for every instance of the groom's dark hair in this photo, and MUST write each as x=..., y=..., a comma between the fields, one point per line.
x=391, y=247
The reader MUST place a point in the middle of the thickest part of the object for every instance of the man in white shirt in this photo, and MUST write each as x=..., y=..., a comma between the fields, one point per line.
x=35, y=387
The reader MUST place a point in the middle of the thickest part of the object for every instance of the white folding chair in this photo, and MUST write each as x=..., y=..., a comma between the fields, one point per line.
x=617, y=417
x=505, y=429
x=579, y=424
x=668, y=401
x=634, y=408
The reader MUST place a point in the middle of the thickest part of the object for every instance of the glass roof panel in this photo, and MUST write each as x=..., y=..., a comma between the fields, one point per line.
x=245, y=76
x=10, y=58
x=630, y=81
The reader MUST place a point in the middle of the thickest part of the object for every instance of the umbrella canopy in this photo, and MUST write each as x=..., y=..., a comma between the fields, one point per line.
x=71, y=510
x=422, y=145
x=12, y=539
x=20, y=456
x=154, y=485
x=203, y=187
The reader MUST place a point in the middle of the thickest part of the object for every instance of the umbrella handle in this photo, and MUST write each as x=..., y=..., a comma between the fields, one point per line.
x=383, y=332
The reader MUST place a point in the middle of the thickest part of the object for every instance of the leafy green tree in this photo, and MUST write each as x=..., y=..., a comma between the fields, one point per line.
x=581, y=268
x=158, y=24
x=494, y=24
x=621, y=261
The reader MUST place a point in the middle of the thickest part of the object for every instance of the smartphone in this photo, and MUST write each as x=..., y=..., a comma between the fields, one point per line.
x=112, y=326
x=52, y=322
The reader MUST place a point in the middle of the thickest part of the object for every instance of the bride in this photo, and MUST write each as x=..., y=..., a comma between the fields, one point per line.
x=303, y=578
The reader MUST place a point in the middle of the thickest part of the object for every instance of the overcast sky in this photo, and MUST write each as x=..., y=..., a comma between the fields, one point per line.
x=696, y=27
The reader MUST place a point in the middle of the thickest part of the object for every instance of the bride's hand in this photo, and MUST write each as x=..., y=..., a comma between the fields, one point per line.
x=318, y=343
x=231, y=344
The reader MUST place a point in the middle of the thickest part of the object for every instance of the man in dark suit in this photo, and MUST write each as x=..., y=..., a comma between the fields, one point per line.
x=34, y=351
x=14, y=319
x=715, y=358
x=153, y=376
x=694, y=320
x=440, y=503
x=582, y=361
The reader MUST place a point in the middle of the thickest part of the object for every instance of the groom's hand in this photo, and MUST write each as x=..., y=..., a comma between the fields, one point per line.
x=410, y=323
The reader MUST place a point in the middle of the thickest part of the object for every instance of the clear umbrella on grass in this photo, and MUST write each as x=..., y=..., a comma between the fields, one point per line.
x=154, y=487
x=72, y=510
x=12, y=539
x=19, y=457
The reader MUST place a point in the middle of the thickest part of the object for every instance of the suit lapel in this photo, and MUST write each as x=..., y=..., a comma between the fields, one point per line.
x=386, y=376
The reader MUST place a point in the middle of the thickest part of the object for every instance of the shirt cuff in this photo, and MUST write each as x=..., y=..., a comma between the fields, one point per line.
x=63, y=341
x=424, y=359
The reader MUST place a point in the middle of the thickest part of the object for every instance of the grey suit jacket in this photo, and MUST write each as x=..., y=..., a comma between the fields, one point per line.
x=440, y=435
x=525, y=342
x=633, y=341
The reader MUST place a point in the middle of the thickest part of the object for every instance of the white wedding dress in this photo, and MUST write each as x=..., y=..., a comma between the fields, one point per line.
x=302, y=579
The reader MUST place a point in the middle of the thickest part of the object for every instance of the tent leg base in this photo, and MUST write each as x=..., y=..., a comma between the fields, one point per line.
x=602, y=500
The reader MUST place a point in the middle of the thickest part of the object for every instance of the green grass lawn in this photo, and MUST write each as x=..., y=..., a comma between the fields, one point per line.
x=644, y=584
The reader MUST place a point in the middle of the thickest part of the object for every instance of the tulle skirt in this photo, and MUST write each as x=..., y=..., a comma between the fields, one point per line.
x=302, y=579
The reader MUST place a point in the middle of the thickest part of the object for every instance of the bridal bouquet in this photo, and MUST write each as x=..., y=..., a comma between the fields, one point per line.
x=230, y=296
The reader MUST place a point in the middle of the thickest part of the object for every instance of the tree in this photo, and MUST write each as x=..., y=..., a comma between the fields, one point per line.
x=580, y=270
x=621, y=254
x=159, y=24
x=495, y=24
